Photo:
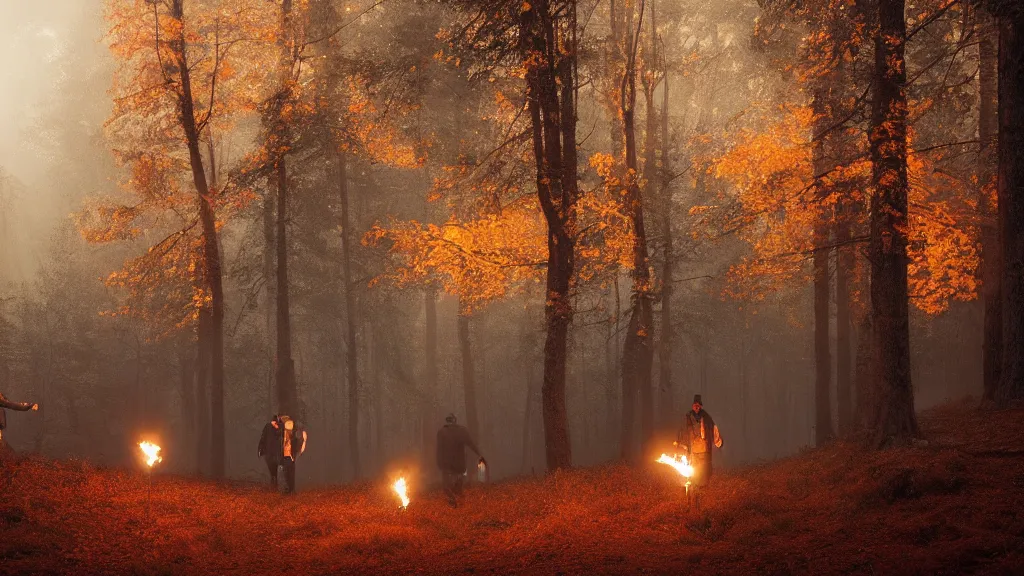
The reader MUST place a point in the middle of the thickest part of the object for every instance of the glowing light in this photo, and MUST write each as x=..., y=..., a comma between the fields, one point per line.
x=152, y=452
x=678, y=463
x=402, y=490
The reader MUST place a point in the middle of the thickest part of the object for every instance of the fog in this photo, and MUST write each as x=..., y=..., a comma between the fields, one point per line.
x=104, y=333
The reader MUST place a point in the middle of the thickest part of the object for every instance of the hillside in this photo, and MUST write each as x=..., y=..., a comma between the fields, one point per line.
x=949, y=507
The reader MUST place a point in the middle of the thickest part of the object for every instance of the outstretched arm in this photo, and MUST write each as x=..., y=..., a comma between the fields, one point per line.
x=19, y=406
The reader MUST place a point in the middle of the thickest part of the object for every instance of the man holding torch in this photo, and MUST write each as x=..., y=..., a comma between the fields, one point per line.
x=19, y=406
x=697, y=437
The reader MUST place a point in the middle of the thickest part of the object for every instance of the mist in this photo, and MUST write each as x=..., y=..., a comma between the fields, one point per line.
x=416, y=249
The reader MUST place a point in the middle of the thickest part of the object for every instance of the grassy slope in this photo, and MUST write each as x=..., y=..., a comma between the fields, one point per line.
x=951, y=507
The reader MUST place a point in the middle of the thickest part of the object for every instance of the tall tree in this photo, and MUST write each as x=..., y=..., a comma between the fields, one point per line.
x=988, y=150
x=1011, y=196
x=351, y=349
x=468, y=374
x=638, y=349
x=548, y=42
x=666, y=346
x=822, y=284
x=278, y=117
x=895, y=416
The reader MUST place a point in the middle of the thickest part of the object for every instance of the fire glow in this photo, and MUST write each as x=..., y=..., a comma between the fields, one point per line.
x=679, y=463
x=402, y=489
x=152, y=452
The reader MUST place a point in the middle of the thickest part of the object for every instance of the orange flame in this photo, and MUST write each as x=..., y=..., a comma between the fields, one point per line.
x=152, y=452
x=402, y=489
x=678, y=463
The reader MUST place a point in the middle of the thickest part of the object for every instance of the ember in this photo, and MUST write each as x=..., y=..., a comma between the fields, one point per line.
x=152, y=452
x=401, y=488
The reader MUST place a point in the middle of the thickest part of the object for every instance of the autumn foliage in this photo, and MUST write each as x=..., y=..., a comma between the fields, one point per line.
x=835, y=510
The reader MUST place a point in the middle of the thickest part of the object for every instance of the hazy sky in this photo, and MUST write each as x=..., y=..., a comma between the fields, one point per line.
x=32, y=36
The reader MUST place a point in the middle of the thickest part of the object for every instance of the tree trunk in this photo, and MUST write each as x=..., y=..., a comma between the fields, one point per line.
x=611, y=352
x=430, y=386
x=1011, y=198
x=638, y=350
x=526, y=422
x=287, y=395
x=988, y=134
x=894, y=418
x=187, y=429
x=279, y=144
x=845, y=262
x=270, y=294
x=202, y=394
x=211, y=251
x=468, y=376
x=553, y=121
x=351, y=350
x=822, y=338
x=666, y=349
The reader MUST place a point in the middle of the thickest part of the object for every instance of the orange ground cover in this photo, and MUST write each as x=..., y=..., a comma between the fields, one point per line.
x=954, y=506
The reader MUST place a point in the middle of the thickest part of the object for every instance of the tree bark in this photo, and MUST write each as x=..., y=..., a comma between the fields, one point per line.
x=351, y=350
x=187, y=366
x=552, y=38
x=430, y=380
x=287, y=395
x=202, y=394
x=468, y=376
x=525, y=467
x=638, y=349
x=988, y=151
x=820, y=261
x=894, y=418
x=279, y=143
x=270, y=294
x=845, y=263
x=666, y=349
x=211, y=251
x=1011, y=198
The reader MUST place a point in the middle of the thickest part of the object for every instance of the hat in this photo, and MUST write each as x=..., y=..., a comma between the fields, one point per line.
x=696, y=399
x=450, y=418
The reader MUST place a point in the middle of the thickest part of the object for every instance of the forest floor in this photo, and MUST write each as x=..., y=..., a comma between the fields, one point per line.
x=952, y=506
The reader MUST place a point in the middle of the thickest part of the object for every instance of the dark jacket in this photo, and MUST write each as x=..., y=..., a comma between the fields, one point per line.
x=700, y=433
x=5, y=403
x=452, y=441
x=271, y=444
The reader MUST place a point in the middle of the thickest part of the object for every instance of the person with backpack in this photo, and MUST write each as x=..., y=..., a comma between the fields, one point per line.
x=19, y=406
x=281, y=444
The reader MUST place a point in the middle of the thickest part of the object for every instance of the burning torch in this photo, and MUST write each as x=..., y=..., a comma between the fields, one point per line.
x=401, y=488
x=680, y=464
x=152, y=453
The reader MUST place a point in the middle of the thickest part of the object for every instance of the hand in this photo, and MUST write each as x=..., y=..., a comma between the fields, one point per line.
x=35, y=406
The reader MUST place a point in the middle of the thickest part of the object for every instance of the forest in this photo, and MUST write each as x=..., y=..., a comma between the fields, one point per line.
x=556, y=220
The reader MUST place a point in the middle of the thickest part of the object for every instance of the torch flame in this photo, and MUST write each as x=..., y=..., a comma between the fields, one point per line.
x=401, y=488
x=679, y=463
x=152, y=452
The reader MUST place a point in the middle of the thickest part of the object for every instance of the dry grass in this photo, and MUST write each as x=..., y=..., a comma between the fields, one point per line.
x=951, y=507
